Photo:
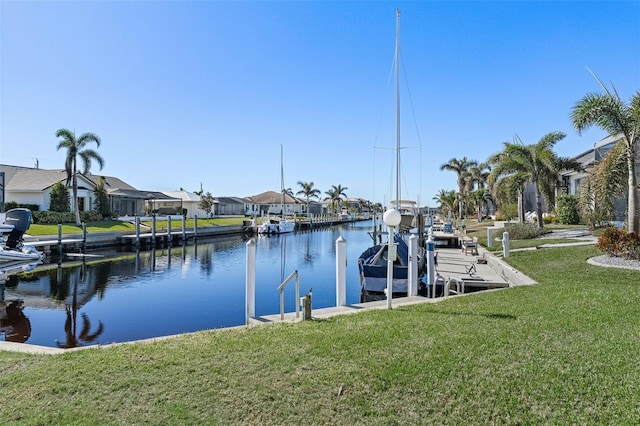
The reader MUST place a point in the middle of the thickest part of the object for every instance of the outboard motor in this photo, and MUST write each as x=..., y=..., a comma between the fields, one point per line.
x=21, y=221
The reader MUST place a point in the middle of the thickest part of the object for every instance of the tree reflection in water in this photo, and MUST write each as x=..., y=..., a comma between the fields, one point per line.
x=73, y=339
x=13, y=322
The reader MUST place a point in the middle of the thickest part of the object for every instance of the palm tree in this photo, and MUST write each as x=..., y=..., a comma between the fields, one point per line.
x=481, y=197
x=335, y=195
x=288, y=191
x=608, y=112
x=76, y=147
x=308, y=191
x=446, y=200
x=536, y=164
x=461, y=168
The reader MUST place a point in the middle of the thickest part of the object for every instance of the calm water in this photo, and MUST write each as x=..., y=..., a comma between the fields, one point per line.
x=182, y=289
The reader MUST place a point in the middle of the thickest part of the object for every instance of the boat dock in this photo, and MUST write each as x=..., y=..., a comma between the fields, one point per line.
x=465, y=274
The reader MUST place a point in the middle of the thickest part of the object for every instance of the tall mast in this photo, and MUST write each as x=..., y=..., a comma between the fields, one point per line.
x=281, y=182
x=398, y=193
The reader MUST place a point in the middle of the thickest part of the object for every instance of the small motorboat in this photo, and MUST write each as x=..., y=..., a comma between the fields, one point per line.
x=273, y=226
x=12, y=247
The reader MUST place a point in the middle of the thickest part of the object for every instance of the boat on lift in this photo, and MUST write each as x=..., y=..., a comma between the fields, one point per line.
x=12, y=230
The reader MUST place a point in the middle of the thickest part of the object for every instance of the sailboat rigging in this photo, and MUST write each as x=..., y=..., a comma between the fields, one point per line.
x=372, y=263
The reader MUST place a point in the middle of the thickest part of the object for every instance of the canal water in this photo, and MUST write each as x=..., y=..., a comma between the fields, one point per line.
x=175, y=290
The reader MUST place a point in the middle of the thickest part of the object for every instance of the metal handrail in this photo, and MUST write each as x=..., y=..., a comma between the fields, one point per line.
x=281, y=290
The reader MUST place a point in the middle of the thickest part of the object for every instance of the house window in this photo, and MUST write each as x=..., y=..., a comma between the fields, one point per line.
x=577, y=184
x=80, y=204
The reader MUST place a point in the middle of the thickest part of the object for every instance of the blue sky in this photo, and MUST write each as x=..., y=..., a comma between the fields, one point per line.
x=204, y=92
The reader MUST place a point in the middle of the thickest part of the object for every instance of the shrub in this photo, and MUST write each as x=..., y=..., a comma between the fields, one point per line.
x=49, y=217
x=10, y=205
x=59, y=198
x=15, y=205
x=567, y=209
x=507, y=212
x=522, y=230
x=619, y=243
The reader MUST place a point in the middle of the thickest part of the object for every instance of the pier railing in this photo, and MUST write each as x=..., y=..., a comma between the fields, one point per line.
x=281, y=290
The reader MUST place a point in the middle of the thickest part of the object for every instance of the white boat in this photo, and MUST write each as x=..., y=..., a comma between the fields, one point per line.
x=12, y=248
x=373, y=262
x=280, y=225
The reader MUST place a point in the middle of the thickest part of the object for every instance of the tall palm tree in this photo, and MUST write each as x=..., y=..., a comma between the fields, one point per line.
x=608, y=112
x=76, y=147
x=461, y=168
x=308, y=191
x=335, y=195
x=536, y=164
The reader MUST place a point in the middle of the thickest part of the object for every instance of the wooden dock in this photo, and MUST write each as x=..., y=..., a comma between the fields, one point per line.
x=467, y=272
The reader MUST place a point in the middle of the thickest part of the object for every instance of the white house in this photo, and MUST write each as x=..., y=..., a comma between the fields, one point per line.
x=183, y=200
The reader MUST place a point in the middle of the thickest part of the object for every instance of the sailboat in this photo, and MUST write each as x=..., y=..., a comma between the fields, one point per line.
x=372, y=263
x=282, y=225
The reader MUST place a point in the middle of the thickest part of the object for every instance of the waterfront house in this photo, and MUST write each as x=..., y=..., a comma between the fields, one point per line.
x=270, y=202
x=32, y=186
x=572, y=180
x=231, y=206
x=179, y=202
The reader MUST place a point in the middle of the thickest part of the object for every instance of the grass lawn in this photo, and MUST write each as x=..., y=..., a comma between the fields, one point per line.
x=70, y=228
x=564, y=351
x=116, y=225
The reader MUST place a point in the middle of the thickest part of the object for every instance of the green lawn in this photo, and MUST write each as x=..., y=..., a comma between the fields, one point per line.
x=564, y=351
x=92, y=227
x=115, y=225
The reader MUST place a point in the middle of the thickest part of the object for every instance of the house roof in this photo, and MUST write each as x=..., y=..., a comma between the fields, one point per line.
x=19, y=178
x=232, y=200
x=272, y=197
x=110, y=182
x=30, y=179
x=183, y=195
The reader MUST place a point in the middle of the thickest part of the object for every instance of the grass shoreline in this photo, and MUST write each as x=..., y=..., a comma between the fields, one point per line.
x=563, y=351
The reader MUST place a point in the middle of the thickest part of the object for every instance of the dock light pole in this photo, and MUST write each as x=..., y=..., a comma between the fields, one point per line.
x=392, y=218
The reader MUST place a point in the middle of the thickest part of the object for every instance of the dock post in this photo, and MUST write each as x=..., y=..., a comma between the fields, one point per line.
x=169, y=229
x=195, y=227
x=505, y=244
x=153, y=230
x=489, y=237
x=250, y=293
x=412, y=277
x=431, y=266
x=84, y=237
x=137, y=231
x=59, y=239
x=184, y=228
x=341, y=271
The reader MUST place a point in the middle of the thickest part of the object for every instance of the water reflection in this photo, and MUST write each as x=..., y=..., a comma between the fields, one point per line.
x=77, y=280
x=137, y=294
x=14, y=324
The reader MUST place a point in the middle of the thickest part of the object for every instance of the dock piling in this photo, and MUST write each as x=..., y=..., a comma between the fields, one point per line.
x=250, y=293
x=341, y=271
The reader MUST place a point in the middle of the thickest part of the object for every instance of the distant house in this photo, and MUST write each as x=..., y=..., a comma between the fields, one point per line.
x=231, y=206
x=270, y=202
x=180, y=201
